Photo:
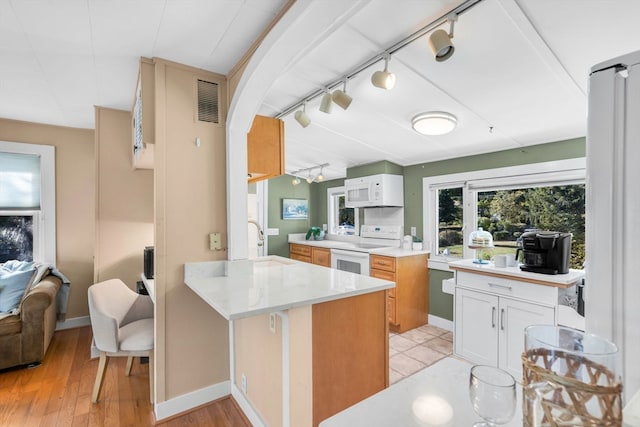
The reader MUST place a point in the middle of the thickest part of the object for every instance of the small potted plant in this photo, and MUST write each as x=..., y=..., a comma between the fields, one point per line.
x=316, y=232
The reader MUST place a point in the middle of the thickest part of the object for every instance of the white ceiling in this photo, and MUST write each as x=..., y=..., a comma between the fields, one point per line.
x=518, y=76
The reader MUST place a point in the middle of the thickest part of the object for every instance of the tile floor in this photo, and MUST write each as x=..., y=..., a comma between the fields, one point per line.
x=416, y=349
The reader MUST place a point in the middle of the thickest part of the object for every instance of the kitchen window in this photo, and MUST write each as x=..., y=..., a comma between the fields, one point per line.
x=506, y=202
x=341, y=219
x=27, y=202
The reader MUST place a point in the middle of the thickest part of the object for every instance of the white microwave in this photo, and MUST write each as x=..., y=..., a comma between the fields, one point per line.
x=374, y=190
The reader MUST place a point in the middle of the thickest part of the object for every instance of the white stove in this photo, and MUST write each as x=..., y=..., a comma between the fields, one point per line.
x=355, y=258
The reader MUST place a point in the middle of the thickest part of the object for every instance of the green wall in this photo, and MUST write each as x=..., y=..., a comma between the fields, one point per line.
x=440, y=304
x=281, y=188
x=376, y=168
x=569, y=149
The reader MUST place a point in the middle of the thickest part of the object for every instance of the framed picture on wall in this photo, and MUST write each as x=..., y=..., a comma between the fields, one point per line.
x=295, y=209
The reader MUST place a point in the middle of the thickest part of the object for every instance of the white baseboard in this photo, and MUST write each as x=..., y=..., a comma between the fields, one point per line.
x=191, y=400
x=75, y=322
x=440, y=322
x=246, y=407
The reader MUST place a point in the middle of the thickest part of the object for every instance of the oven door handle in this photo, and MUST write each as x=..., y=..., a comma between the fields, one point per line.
x=354, y=254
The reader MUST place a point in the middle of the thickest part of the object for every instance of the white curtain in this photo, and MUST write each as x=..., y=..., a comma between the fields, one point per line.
x=19, y=181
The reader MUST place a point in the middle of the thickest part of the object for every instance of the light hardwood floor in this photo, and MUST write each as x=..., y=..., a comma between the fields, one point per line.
x=58, y=392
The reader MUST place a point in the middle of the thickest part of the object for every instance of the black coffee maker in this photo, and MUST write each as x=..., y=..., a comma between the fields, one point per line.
x=546, y=252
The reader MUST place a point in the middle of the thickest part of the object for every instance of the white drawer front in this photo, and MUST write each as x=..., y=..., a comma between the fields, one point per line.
x=497, y=285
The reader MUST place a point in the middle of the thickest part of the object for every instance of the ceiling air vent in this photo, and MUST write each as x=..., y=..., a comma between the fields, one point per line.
x=208, y=102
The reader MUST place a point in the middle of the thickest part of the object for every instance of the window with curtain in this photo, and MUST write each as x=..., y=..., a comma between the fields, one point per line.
x=20, y=188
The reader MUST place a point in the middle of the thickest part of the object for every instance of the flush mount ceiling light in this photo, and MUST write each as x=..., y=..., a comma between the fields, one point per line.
x=341, y=98
x=434, y=123
x=325, y=104
x=301, y=116
x=384, y=79
x=440, y=41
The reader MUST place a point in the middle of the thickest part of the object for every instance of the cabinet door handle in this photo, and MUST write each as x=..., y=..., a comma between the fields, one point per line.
x=493, y=317
x=502, y=319
x=496, y=285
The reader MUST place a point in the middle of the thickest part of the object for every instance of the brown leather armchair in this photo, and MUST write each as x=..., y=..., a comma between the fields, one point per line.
x=25, y=336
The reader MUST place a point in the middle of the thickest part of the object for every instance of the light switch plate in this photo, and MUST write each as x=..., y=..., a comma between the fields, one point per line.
x=215, y=241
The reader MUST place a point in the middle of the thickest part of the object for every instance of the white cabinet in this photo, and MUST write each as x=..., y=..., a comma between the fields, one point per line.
x=491, y=314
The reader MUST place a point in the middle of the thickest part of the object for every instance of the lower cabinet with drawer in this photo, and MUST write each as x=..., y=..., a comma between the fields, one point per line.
x=408, y=302
x=300, y=252
x=310, y=254
x=491, y=315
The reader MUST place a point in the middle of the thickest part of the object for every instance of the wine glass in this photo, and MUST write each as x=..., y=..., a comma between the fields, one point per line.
x=493, y=395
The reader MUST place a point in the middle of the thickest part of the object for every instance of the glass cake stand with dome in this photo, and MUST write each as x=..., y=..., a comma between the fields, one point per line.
x=480, y=240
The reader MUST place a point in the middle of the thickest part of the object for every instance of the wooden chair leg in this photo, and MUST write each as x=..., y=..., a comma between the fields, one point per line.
x=127, y=369
x=151, y=376
x=102, y=368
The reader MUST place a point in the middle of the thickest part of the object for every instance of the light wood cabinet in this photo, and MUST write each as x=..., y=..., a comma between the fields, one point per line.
x=321, y=256
x=491, y=315
x=300, y=252
x=310, y=254
x=408, y=302
x=265, y=148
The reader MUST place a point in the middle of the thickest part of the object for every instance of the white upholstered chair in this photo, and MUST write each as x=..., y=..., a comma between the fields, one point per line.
x=122, y=323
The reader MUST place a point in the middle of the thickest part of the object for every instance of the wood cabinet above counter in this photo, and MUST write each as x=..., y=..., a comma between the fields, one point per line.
x=265, y=148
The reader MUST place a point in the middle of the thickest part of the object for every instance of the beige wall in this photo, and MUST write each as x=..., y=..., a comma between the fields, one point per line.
x=192, y=340
x=124, y=201
x=258, y=355
x=75, y=189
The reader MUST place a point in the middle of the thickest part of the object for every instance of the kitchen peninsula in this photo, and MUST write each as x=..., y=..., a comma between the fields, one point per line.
x=306, y=341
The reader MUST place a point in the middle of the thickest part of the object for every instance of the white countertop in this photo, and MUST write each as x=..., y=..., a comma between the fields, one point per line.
x=561, y=280
x=435, y=396
x=350, y=242
x=244, y=288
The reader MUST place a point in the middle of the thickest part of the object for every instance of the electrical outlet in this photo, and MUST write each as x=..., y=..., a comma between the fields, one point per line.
x=244, y=383
x=413, y=231
x=272, y=322
x=215, y=241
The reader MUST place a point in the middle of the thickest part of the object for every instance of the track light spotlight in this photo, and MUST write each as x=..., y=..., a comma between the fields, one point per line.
x=341, y=98
x=325, y=104
x=384, y=79
x=309, y=179
x=320, y=177
x=440, y=42
x=295, y=181
x=301, y=116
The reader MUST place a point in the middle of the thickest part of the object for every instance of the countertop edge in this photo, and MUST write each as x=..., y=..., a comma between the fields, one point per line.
x=558, y=281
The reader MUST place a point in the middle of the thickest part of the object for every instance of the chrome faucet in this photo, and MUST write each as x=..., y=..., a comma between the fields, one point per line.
x=260, y=232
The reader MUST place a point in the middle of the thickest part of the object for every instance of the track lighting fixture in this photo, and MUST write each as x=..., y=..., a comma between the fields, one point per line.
x=310, y=177
x=384, y=79
x=434, y=123
x=341, y=98
x=325, y=104
x=440, y=42
x=301, y=116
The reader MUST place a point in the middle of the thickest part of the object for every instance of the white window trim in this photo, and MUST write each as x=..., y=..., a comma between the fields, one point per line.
x=547, y=173
x=331, y=193
x=45, y=247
